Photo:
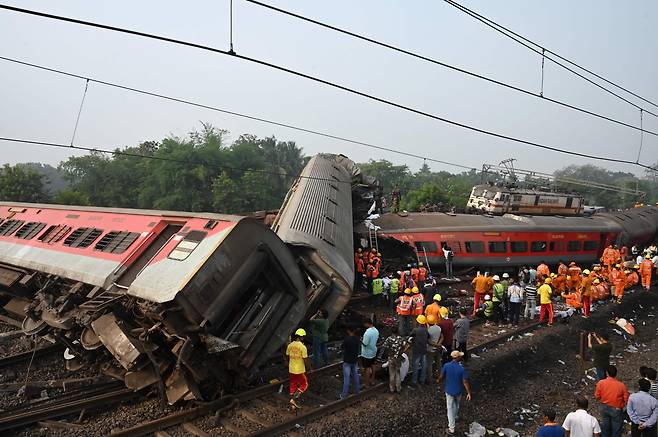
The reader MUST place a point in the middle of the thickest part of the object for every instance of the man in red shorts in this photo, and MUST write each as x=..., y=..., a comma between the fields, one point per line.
x=298, y=362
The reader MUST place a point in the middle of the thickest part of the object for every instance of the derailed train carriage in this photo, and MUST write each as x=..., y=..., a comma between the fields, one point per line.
x=185, y=300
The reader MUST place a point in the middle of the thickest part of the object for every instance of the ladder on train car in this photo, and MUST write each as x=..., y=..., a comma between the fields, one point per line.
x=372, y=237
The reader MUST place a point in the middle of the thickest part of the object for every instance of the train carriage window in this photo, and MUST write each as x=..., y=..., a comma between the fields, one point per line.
x=30, y=230
x=82, y=237
x=519, y=246
x=573, y=246
x=538, y=246
x=116, y=241
x=518, y=197
x=557, y=246
x=497, y=247
x=10, y=226
x=426, y=246
x=591, y=245
x=474, y=247
x=185, y=247
x=54, y=233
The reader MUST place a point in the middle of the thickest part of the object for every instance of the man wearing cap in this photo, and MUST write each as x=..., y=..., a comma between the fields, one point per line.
x=298, y=362
x=456, y=380
x=419, y=341
x=546, y=304
x=404, y=308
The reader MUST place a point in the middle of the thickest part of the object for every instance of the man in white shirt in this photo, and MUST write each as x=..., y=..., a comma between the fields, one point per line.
x=580, y=423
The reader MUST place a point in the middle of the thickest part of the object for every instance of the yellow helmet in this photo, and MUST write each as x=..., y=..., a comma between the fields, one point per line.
x=444, y=312
x=300, y=332
x=648, y=256
x=597, y=267
x=617, y=265
x=596, y=281
x=568, y=277
x=421, y=319
x=407, y=291
x=420, y=264
x=636, y=266
x=414, y=290
x=548, y=281
x=586, y=272
x=437, y=297
x=553, y=275
x=431, y=319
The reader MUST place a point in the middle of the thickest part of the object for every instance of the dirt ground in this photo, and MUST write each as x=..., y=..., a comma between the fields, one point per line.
x=514, y=381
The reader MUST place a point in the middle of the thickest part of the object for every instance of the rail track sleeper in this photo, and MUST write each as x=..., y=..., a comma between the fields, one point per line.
x=228, y=426
x=255, y=419
x=26, y=356
x=195, y=430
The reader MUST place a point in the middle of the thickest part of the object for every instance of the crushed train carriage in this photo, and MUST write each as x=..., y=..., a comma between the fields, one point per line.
x=185, y=300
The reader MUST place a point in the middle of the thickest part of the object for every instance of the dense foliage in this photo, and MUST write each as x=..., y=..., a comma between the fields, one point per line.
x=202, y=172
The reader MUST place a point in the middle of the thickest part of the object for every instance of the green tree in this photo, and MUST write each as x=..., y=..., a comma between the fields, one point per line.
x=21, y=184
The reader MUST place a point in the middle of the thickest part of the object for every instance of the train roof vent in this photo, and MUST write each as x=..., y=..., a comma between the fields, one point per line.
x=116, y=241
x=10, y=226
x=82, y=237
x=30, y=230
x=54, y=233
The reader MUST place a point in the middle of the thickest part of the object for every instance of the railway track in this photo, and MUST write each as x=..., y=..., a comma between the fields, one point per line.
x=263, y=411
x=25, y=357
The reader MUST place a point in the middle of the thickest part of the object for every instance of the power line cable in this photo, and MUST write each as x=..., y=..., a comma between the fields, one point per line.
x=598, y=76
x=330, y=84
x=236, y=114
x=449, y=66
x=501, y=30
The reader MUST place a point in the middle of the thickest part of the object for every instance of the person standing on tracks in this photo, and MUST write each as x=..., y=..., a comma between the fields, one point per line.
x=497, y=299
x=393, y=290
x=530, y=301
x=404, y=311
x=449, y=255
x=482, y=285
x=546, y=304
x=395, y=346
x=434, y=347
x=456, y=381
x=515, y=295
x=613, y=396
x=601, y=351
x=586, y=292
x=619, y=281
x=298, y=362
x=369, y=352
x=448, y=332
x=434, y=308
x=422, y=274
x=462, y=329
x=580, y=423
x=645, y=272
x=350, y=359
x=419, y=342
x=418, y=306
x=319, y=332
x=377, y=290
x=505, y=306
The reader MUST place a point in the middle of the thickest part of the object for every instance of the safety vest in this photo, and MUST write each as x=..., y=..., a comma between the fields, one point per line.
x=404, y=306
x=646, y=267
x=419, y=304
x=422, y=273
x=488, y=308
x=395, y=285
x=377, y=286
x=498, y=292
x=414, y=274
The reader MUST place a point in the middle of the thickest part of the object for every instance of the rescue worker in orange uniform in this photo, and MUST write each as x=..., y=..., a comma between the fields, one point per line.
x=360, y=268
x=586, y=291
x=415, y=273
x=371, y=273
x=645, y=272
x=418, y=305
x=482, y=285
x=403, y=309
x=632, y=278
x=573, y=299
x=576, y=276
x=623, y=253
x=422, y=276
x=609, y=257
x=372, y=255
x=560, y=282
x=562, y=268
x=543, y=271
x=619, y=283
x=434, y=309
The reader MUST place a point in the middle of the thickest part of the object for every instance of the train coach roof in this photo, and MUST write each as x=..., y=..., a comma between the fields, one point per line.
x=471, y=222
x=130, y=211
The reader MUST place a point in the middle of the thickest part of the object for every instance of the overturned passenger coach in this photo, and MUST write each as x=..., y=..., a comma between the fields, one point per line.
x=185, y=300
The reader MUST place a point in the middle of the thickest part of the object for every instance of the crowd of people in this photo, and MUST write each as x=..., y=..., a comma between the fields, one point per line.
x=430, y=345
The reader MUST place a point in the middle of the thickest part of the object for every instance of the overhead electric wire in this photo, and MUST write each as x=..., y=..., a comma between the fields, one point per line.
x=328, y=83
x=236, y=114
x=598, y=76
x=500, y=29
x=448, y=66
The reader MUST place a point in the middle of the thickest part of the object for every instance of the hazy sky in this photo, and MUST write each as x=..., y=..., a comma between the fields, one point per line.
x=618, y=39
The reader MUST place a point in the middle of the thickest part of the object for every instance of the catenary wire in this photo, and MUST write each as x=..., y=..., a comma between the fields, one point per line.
x=557, y=55
x=237, y=114
x=499, y=29
x=330, y=84
x=449, y=66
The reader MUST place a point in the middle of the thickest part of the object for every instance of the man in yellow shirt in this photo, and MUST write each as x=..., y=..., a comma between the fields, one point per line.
x=297, y=363
x=545, y=292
